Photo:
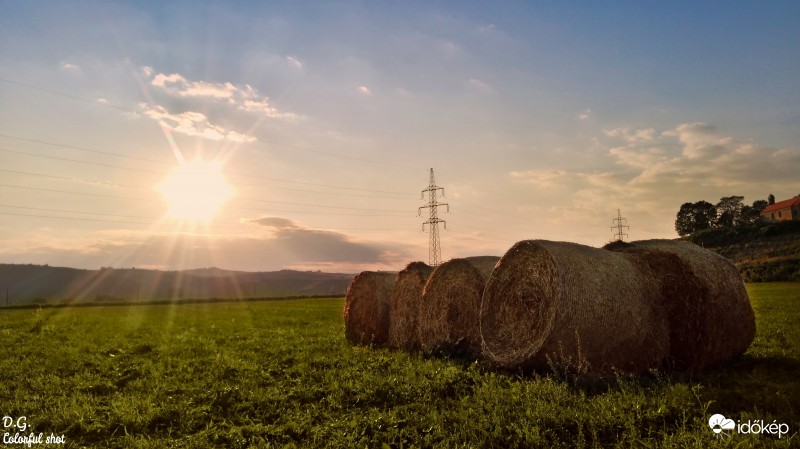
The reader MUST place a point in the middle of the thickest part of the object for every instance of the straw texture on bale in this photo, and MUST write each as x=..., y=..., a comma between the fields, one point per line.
x=367, y=308
x=450, y=309
x=405, y=303
x=679, y=291
x=582, y=309
x=709, y=314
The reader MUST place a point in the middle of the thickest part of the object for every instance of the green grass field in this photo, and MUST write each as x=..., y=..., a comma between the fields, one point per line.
x=280, y=374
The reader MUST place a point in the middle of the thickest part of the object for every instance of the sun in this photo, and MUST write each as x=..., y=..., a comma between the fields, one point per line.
x=195, y=190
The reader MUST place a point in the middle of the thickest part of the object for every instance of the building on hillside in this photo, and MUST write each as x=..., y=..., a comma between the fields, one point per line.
x=786, y=210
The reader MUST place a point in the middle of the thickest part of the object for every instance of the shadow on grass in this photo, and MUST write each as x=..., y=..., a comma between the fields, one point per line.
x=765, y=387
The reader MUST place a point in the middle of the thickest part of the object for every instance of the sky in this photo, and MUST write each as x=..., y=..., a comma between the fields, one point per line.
x=261, y=136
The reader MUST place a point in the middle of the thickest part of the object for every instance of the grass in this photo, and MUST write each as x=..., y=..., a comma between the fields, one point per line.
x=280, y=374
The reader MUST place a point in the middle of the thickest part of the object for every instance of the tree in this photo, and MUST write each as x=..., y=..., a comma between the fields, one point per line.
x=751, y=214
x=729, y=211
x=694, y=217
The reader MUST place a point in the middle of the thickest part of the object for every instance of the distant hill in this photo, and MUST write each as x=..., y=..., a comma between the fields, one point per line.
x=761, y=252
x=37, y=284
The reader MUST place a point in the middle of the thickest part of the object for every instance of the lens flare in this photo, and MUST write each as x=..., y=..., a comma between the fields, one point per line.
x=195, y=190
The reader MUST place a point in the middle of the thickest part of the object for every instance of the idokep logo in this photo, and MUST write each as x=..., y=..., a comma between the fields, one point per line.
x=719, y=424
x=723, y=426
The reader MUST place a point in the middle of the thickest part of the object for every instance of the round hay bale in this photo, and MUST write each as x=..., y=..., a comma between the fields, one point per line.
x=366, y=308
x=679, y=289
x=449, y=313
x=405, y=302
x=571, y=307
x=711, y=319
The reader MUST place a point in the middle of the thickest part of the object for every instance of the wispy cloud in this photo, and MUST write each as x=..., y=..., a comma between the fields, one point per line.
x=479, y=85
x=69, y=66
x=698, y=152
x=364, y=90
x=276, y=222
x=244, y=97
x=294, y=62
x=488, y=28
x=539, y=178
x=651, y=173
x=631, y=136
x=585, y=114
x=192, y=123
x=175, y=106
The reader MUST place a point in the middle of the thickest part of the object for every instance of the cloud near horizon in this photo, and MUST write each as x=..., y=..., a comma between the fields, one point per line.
x=278, y=243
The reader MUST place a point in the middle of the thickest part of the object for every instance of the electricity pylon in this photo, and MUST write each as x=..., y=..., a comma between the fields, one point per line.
x=434, y=248
x=620, y=236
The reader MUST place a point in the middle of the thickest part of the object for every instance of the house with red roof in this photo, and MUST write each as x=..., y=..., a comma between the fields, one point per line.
x=786, y=210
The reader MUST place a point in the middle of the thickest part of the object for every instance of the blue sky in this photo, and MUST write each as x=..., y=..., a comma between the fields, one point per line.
x=540, y=119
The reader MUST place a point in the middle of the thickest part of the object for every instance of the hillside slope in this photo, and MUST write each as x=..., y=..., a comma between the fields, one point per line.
x=762, y=253
x=27, y=284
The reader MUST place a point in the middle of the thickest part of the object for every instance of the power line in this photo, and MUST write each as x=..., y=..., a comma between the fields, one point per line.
x=43, y=209
x=505, y=226
x=113, y=184
x=524, y=230
x=76, y=218
x=315, y=205
x=70, y=192
x=267, y=178
x=69, y=211
x=62, y=94
x=128, y=109
x=88, y=150
x=209, y=224
x=143, y=170
x=73, y=179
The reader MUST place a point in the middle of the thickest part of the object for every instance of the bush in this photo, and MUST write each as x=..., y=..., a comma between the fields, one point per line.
x=715, y=237
x=775, y=271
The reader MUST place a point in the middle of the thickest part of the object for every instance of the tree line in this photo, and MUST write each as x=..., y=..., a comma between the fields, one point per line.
x=728, y=213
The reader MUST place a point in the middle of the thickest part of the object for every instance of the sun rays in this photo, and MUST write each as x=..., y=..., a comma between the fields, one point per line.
x=195, y=190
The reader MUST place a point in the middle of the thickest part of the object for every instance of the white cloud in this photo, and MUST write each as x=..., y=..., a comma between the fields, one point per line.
x=244, y=98
x=649, y=174
x=223, y=99
x=192, y=123
x=480, y=85
x=632, y=136
x=449, y=48
x=539, y=178
x=203, y=89
x=233, y=136
x=585, y=114
x=265, y=108
x=69, y=66
x=364, y=90
x=294, y=62
x=697, y=152
x=162, y=80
